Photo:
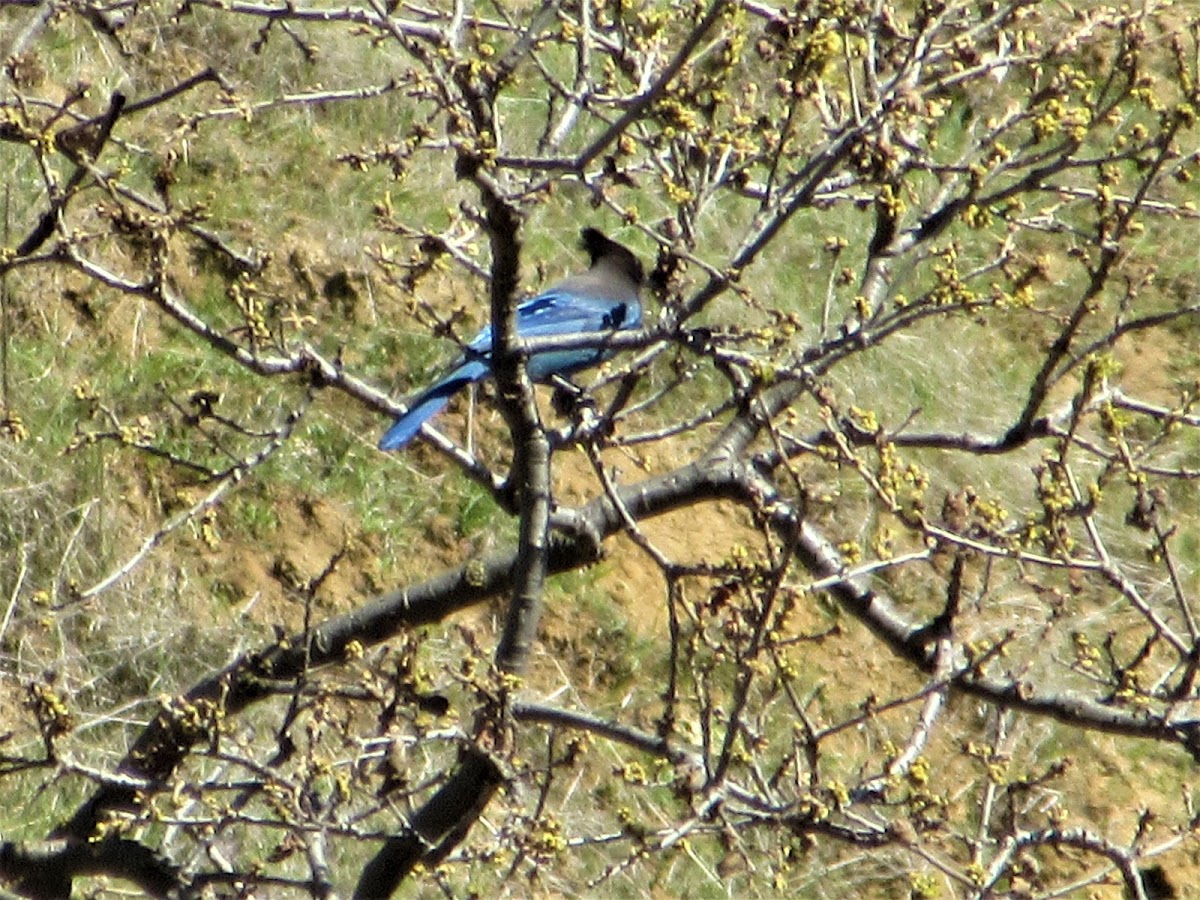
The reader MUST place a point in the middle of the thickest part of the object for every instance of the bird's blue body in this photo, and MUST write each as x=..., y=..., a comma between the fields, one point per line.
x=605, y=298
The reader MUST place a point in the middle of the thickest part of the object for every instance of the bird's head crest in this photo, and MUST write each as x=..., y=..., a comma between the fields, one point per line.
x=602, y=248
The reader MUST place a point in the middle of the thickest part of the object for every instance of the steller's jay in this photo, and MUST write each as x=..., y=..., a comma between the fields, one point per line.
x=604, y=298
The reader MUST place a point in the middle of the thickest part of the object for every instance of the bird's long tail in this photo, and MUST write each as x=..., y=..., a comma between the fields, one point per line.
x=427, y=405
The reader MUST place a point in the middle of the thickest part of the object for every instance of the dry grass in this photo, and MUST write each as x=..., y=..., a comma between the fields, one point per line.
x=227, y=583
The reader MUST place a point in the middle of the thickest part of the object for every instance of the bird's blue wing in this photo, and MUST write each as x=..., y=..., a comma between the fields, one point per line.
x=558, y=311
x=563, y=312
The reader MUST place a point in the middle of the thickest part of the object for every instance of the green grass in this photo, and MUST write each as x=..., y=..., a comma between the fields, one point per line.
x=274, y=182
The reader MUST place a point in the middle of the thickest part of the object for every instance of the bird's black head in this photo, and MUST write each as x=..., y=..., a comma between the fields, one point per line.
x=601, y=248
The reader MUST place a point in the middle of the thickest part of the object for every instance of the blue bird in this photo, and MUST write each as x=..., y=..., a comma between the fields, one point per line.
x=604, y=298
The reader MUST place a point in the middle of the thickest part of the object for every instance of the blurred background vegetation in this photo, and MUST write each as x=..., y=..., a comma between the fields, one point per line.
x=907, y=208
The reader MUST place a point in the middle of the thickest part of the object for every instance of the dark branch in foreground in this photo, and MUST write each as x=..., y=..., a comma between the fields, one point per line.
x=46, y=872
x=165, y=743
